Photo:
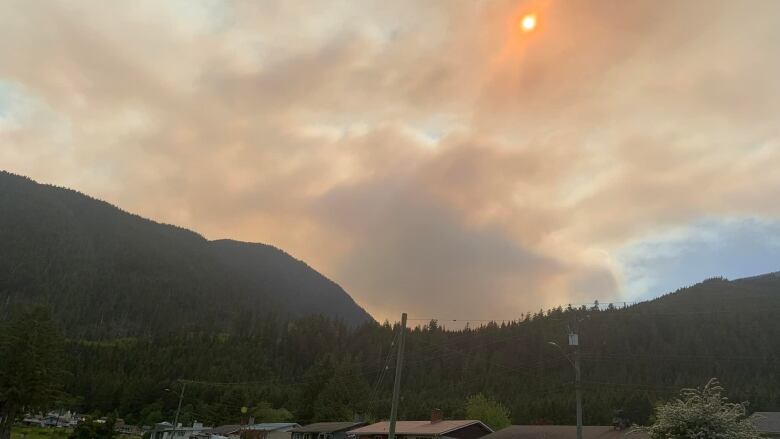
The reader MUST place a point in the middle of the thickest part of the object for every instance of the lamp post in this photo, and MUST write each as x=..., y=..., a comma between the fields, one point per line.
x=574, y=342
x=178, y=409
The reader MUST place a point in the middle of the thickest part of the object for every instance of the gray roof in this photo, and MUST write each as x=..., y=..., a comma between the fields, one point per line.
x=274, y=426
x=563, y=432
x=766, y=422
x=223, y=430
x=418, y=428
x=327, y=427
x=270, y=426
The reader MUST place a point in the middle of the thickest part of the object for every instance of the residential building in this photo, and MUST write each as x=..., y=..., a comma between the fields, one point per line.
x=272, y=430
x=165, y=430
x=230, y=430
x=767, y=423
x=60, y=418
x=565, y=432
x=325, y=430
x=436, y=427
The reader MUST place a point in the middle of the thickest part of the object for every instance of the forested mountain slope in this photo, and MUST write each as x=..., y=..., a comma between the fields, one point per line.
x=632, y=358
x=145, y=304
x=105, y=272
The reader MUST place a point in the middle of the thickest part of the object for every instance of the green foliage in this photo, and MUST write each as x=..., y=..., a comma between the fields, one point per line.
x=343, y=397
x=39, y=433
x=31, y=366
x=491, y=412
x=702, y=414
x=319, y=369
x=94, y=429
x=264, y=412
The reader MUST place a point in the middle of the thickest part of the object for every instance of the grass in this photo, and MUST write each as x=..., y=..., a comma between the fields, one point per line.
x=39, y=433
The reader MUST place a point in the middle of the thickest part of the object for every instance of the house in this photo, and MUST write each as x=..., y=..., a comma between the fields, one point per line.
x=58, y=418
x=564, y=432
x=767, y=423
x=325, y=430
x=129, y=430
x=165, y=430
x=437, y=427
x=272, y=430
x=225, y=430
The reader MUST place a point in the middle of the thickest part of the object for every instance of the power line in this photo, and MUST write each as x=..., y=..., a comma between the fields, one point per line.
x=605, y=357
x=608, y=312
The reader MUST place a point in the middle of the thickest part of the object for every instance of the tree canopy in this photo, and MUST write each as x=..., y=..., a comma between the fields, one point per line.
x=31, y=367
x=702, y=414
x=491, y=412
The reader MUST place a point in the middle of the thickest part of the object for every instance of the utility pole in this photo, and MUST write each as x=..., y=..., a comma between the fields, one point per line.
x=397, y=383
x=574, y=342
x=178, y=409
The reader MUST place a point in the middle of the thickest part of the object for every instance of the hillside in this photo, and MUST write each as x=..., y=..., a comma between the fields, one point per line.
x=632, y=358
x=106, y=272
x=145, y=304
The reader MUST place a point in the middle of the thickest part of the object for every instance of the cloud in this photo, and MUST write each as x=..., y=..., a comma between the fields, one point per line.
x=409, y=252
x=412, y=151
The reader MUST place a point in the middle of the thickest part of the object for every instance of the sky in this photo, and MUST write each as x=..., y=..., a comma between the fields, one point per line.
x=431, y=157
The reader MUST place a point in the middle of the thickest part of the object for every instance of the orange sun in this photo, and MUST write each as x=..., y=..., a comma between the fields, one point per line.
x=528, y=23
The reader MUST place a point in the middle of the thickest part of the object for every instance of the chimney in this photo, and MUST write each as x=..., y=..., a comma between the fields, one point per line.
x=436, y=416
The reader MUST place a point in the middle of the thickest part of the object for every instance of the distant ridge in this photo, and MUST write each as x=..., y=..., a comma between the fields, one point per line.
x=107, y=272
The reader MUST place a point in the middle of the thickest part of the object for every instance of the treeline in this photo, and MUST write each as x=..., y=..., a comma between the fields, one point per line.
x=316, y=369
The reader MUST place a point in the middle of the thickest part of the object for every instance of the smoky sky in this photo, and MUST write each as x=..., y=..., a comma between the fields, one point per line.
x=430, y=157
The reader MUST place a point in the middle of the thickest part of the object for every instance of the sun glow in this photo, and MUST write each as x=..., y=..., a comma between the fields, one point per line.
x=528, y=23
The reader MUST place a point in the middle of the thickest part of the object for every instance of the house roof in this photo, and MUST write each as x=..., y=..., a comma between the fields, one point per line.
x=273, y=426
x=224, y=429
x=766, y=422
x=270, y=426
x=327, y=427
x=422, y=428
x=563, y=432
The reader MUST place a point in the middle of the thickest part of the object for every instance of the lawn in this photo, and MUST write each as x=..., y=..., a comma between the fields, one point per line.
x=39, y=433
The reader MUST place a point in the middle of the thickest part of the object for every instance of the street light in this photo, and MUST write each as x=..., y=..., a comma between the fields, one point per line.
x=573, y=341
x=178, y=409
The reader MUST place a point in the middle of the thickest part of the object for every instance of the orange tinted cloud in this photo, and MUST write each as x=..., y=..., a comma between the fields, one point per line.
x=419, y=154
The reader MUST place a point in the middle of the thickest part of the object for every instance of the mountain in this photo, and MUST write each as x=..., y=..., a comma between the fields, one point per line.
x=146, y=304
x=106, y=272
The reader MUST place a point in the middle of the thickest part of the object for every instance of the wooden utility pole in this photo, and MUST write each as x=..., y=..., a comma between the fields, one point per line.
x=397, y=383
x=574, y=342
x=178, y=409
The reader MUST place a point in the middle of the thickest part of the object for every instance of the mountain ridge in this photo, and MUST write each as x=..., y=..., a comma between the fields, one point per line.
x=134, y=272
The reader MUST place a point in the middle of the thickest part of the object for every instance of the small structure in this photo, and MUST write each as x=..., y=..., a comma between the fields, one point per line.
x=165, y=430
x=767, y=423
x=325, y=430
x=272, y=430
x=129, y=430
x=60, y=418
x=565, y=432
x=437, y=427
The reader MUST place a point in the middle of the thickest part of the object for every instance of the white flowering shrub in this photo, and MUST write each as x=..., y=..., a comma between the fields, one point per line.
x=702, y=414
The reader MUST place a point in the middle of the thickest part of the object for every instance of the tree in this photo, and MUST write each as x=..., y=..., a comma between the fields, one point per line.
x=264, y=412
x=92, y=429
x=344, y=396
x=30, y=370
x=702, y=414
x=491, y=412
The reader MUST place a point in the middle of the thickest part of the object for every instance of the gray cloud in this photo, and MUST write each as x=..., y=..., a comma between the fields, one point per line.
x=427, y=153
